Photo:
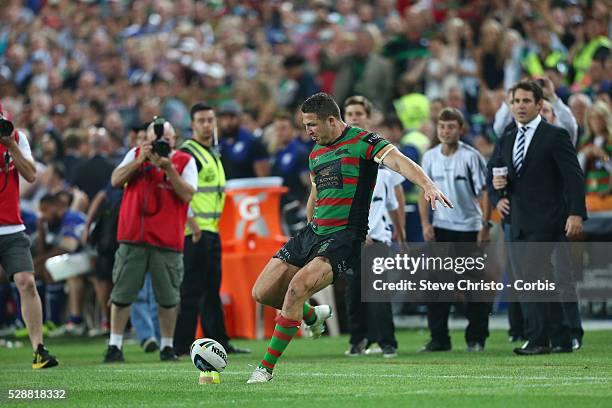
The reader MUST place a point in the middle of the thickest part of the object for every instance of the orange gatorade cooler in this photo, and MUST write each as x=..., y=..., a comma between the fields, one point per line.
x=251, y=233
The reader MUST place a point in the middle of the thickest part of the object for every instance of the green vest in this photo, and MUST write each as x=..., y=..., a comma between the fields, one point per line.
x=412, y=110
x=421, y=142
x=207, y=203
x=582, y=60
x=533, y=66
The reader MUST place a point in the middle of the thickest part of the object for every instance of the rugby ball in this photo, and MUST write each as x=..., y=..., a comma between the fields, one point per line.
x=208, y=355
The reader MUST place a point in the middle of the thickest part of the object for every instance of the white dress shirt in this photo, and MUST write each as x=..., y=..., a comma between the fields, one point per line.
x=563, y=114
x=531, y=128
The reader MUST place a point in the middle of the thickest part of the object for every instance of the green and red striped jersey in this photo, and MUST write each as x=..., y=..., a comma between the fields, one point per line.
x=345, y=173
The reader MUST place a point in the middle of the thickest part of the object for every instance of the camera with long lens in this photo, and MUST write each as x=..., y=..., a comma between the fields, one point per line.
x=160, y=146
x=6, y=127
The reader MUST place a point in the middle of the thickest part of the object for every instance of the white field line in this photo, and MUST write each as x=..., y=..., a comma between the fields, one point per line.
x=346, y=375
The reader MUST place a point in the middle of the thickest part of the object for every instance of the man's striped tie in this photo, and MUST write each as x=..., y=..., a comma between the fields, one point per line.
x=520, y=149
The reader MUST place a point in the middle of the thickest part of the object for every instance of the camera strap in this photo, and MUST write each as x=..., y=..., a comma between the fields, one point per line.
x=7, y=160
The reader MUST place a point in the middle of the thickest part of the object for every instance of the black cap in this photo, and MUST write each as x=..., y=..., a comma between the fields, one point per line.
x=230, y=108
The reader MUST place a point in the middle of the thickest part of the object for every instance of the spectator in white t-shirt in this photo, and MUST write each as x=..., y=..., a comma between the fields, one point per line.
x=460, y=171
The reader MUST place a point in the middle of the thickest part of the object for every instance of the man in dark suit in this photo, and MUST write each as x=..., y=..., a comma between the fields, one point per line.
x=545, y=188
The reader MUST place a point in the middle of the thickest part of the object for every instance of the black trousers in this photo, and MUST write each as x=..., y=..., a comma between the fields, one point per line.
x=373, y=320
x=546, y=323
x=477, y=313
x=200, y=293
x=515, y=314
x=568, y=271
x=516, y=320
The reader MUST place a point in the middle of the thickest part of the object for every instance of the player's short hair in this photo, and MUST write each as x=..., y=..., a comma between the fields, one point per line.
x=322, y=105
x=200, y=106
x=359, y=100
x=50, y=199
x=529, y=86
x=449, y=114
x=393, y=121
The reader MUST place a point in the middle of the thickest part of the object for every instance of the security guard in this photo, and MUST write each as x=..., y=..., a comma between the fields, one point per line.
x=202, y=256
x=584, y=57
x=536, y=64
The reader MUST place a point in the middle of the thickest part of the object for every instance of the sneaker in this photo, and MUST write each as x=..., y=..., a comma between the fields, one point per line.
x=389, y=352
x=168, y=354
x=356, y=349
x=209, y=377
x=42, y=359
x=372, y=350
x=102, y=331
x=231, y=349
x=475, y=346
x=576, y=344
x=435, y=346
x=260, y=375
x=69, y=329
x=98, y=332
x=113, y=355
x=150, y=345
x=316, y=329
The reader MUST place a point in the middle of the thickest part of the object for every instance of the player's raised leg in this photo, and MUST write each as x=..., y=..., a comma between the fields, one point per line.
x=270, y=289
x=271, y=285
x=313, y=277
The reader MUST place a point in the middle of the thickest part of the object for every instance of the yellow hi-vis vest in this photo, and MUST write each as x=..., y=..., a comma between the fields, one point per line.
x=412, y=110
x=207, y=203
x=534, y=67
x=584, y=58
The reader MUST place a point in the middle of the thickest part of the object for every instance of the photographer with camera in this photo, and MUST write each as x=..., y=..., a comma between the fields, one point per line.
x=15, y=257
x=159, y=182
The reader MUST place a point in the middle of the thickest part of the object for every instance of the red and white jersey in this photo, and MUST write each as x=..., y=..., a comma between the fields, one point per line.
x=151, y=212
x=10, y=217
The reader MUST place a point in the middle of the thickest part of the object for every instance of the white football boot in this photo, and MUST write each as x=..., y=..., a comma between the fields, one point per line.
x=260, y=375
x=323, y=312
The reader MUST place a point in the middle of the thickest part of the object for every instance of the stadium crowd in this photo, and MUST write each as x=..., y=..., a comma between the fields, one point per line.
x=83, y=79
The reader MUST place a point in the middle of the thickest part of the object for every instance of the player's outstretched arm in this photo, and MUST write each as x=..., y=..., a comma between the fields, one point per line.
x=396, y=161
x=312, y=198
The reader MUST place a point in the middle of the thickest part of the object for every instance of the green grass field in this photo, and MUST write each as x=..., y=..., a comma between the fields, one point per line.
x=316, y=373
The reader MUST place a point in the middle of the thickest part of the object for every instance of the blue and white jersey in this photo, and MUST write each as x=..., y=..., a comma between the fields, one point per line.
x=290, y=163
x=383, y=201
x=70, y=226
x=239, y=154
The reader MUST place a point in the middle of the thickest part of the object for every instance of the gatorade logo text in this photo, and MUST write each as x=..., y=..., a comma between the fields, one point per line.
x=249, y=208
x=251, y=219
